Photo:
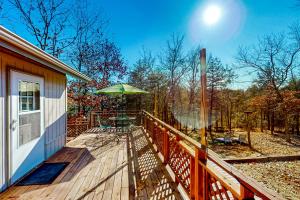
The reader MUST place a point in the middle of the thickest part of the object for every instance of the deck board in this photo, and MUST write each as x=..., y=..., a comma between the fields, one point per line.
x=102, y=168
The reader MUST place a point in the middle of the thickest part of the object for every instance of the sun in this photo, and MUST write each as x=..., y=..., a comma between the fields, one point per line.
x=211, y=14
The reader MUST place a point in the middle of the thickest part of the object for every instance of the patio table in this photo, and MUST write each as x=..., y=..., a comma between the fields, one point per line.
x=122, y=121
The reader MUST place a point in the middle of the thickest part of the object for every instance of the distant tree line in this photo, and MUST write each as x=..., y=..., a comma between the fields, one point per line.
x=172, y=77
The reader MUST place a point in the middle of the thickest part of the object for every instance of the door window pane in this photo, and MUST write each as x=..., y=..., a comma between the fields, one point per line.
x=29, y=127
x=29, y=122
x=29, y=96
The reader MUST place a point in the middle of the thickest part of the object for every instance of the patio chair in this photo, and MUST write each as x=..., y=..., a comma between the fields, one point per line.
x=105, y=126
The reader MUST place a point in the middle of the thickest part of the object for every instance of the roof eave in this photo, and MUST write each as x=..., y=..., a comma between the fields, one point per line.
x=12, y=40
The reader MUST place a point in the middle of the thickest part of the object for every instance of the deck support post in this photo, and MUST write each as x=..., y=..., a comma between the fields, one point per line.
x=166, y=145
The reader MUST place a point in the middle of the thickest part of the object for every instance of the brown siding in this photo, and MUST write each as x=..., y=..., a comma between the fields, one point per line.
x=55, y=102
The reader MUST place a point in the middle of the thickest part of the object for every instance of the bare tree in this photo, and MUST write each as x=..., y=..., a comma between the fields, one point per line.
x=93, y=54
x=193, y=75
x=47, y=21
x=218, y=76
x=273, y=58
x=174, y=64
x=142, y=69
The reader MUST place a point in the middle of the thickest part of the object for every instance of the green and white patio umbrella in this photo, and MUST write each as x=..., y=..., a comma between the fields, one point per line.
x=121, y=89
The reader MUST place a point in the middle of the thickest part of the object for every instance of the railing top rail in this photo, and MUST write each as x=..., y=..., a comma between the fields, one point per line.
x=175, y=131
x=243, y=179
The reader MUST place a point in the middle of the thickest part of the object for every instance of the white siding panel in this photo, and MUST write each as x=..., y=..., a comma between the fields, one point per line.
x=54, y=104
x=56, y=115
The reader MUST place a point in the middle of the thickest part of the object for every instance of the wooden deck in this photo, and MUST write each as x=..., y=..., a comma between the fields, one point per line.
x=103, y=168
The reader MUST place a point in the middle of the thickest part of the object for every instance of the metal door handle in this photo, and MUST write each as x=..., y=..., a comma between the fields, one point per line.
x=13, y=124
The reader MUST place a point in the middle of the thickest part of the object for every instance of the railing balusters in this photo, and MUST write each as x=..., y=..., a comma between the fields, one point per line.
x=199, y=180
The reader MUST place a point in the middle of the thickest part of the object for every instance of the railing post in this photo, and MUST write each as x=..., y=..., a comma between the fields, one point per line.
x=200, y=175
x=166, y=146
x=151, y=129
x=155, y=129
x=146, y=123
x=192, y=177
x=245, y=193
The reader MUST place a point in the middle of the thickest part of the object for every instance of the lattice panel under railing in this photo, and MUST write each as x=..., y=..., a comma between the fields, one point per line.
x=73, y=130
x=180, y=161
x=216, y=190
x=159, y=139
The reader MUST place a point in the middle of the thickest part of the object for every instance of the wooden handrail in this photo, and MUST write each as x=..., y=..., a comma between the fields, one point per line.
x=208, y=187
x=175, y=131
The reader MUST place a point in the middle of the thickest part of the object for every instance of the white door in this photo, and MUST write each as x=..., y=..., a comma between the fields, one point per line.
x=27, y=123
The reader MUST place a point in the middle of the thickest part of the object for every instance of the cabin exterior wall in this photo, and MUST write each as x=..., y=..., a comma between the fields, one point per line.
x=55, y=107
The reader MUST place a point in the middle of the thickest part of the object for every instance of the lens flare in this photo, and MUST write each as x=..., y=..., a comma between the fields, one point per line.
x=212, y=14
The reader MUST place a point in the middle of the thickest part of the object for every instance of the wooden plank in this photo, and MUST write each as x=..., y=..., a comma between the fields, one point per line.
x=96, y=179
x=125, y=174
x=110, y=182
x=74, y=179
x=96, y=165
x=263, y=159
x=100, y=190
x=116, y=192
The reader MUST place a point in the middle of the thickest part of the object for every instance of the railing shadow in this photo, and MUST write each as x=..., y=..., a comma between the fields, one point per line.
x=152, y=181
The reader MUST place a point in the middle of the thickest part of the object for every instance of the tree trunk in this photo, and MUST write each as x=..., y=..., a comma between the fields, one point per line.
x=268, y=118
x=230, y=116
x=261, y=121
x=210, y=113
x=249, y=138
x=286, y=127
x=298, y=124
x=248, y=130
x=221, y=116
x=272, y=122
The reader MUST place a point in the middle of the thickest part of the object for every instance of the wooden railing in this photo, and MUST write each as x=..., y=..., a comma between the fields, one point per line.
x=202, y=174
x=77, y=126
x=95, y=118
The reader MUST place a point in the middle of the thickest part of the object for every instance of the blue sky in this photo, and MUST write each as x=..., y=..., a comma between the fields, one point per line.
x=134, y=24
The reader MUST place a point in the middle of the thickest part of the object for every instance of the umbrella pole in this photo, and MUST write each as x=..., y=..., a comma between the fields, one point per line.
x=123, y=110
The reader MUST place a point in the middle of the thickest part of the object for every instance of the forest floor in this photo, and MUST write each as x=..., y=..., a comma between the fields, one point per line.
x=280, y=176
x=263, y=144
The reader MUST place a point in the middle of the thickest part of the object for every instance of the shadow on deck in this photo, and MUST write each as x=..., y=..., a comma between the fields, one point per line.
x=102, y=167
